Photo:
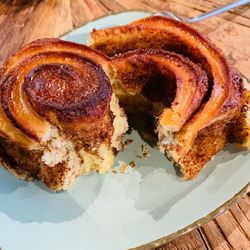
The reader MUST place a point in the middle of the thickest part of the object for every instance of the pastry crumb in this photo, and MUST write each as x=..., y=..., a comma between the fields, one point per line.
x=132, y=164
x=123, y=167
x=114, y=171
x=138, y=156
x=145, y=151
x=127, y=142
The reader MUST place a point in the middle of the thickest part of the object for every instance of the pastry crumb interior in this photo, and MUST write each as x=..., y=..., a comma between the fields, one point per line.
x=62, y=159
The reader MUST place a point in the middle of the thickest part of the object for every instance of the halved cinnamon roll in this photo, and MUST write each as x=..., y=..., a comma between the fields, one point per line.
x=190, y=135
x=58, y=116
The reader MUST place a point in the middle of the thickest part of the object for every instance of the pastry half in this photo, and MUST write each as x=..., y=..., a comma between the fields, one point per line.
x=59, y=117
x=192, y=134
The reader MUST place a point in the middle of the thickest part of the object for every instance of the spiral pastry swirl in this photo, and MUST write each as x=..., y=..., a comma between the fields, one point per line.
x=188, y=133
x=56, y=103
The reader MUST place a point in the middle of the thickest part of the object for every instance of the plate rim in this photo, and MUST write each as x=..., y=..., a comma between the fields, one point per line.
x=218, y=211
x=102, y=16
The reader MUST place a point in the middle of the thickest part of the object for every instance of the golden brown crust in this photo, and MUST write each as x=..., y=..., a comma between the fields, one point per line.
x=56, y=45
x=27, y=165
x=19, y=160
x=168, y=34
x=209, y=141
x=240, y=125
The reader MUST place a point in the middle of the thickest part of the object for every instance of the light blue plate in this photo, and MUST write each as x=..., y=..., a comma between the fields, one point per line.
x=118, y=211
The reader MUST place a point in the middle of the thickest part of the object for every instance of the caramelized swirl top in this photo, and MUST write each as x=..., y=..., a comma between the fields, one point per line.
x=52, y=83
x=163, y=77
x=225, y=87
x=48, y=88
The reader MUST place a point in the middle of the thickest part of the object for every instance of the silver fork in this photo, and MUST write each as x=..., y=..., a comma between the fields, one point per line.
x=205, y=15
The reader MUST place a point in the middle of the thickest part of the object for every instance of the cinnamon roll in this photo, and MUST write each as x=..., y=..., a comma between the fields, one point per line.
x=194, y=116
x=58, y=116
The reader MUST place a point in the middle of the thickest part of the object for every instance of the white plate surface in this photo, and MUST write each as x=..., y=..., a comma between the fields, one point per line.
x=116, y=211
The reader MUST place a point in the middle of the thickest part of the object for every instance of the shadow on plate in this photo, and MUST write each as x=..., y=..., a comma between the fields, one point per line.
x=28, y=202
x=154, y=197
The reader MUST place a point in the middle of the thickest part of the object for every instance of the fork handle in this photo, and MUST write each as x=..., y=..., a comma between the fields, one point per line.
x=217, y=11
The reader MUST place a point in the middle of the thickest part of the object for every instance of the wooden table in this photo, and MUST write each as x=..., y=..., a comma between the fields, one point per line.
x=22, y=21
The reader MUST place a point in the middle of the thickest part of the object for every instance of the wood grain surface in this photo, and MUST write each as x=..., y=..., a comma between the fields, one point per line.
x=22, y=21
